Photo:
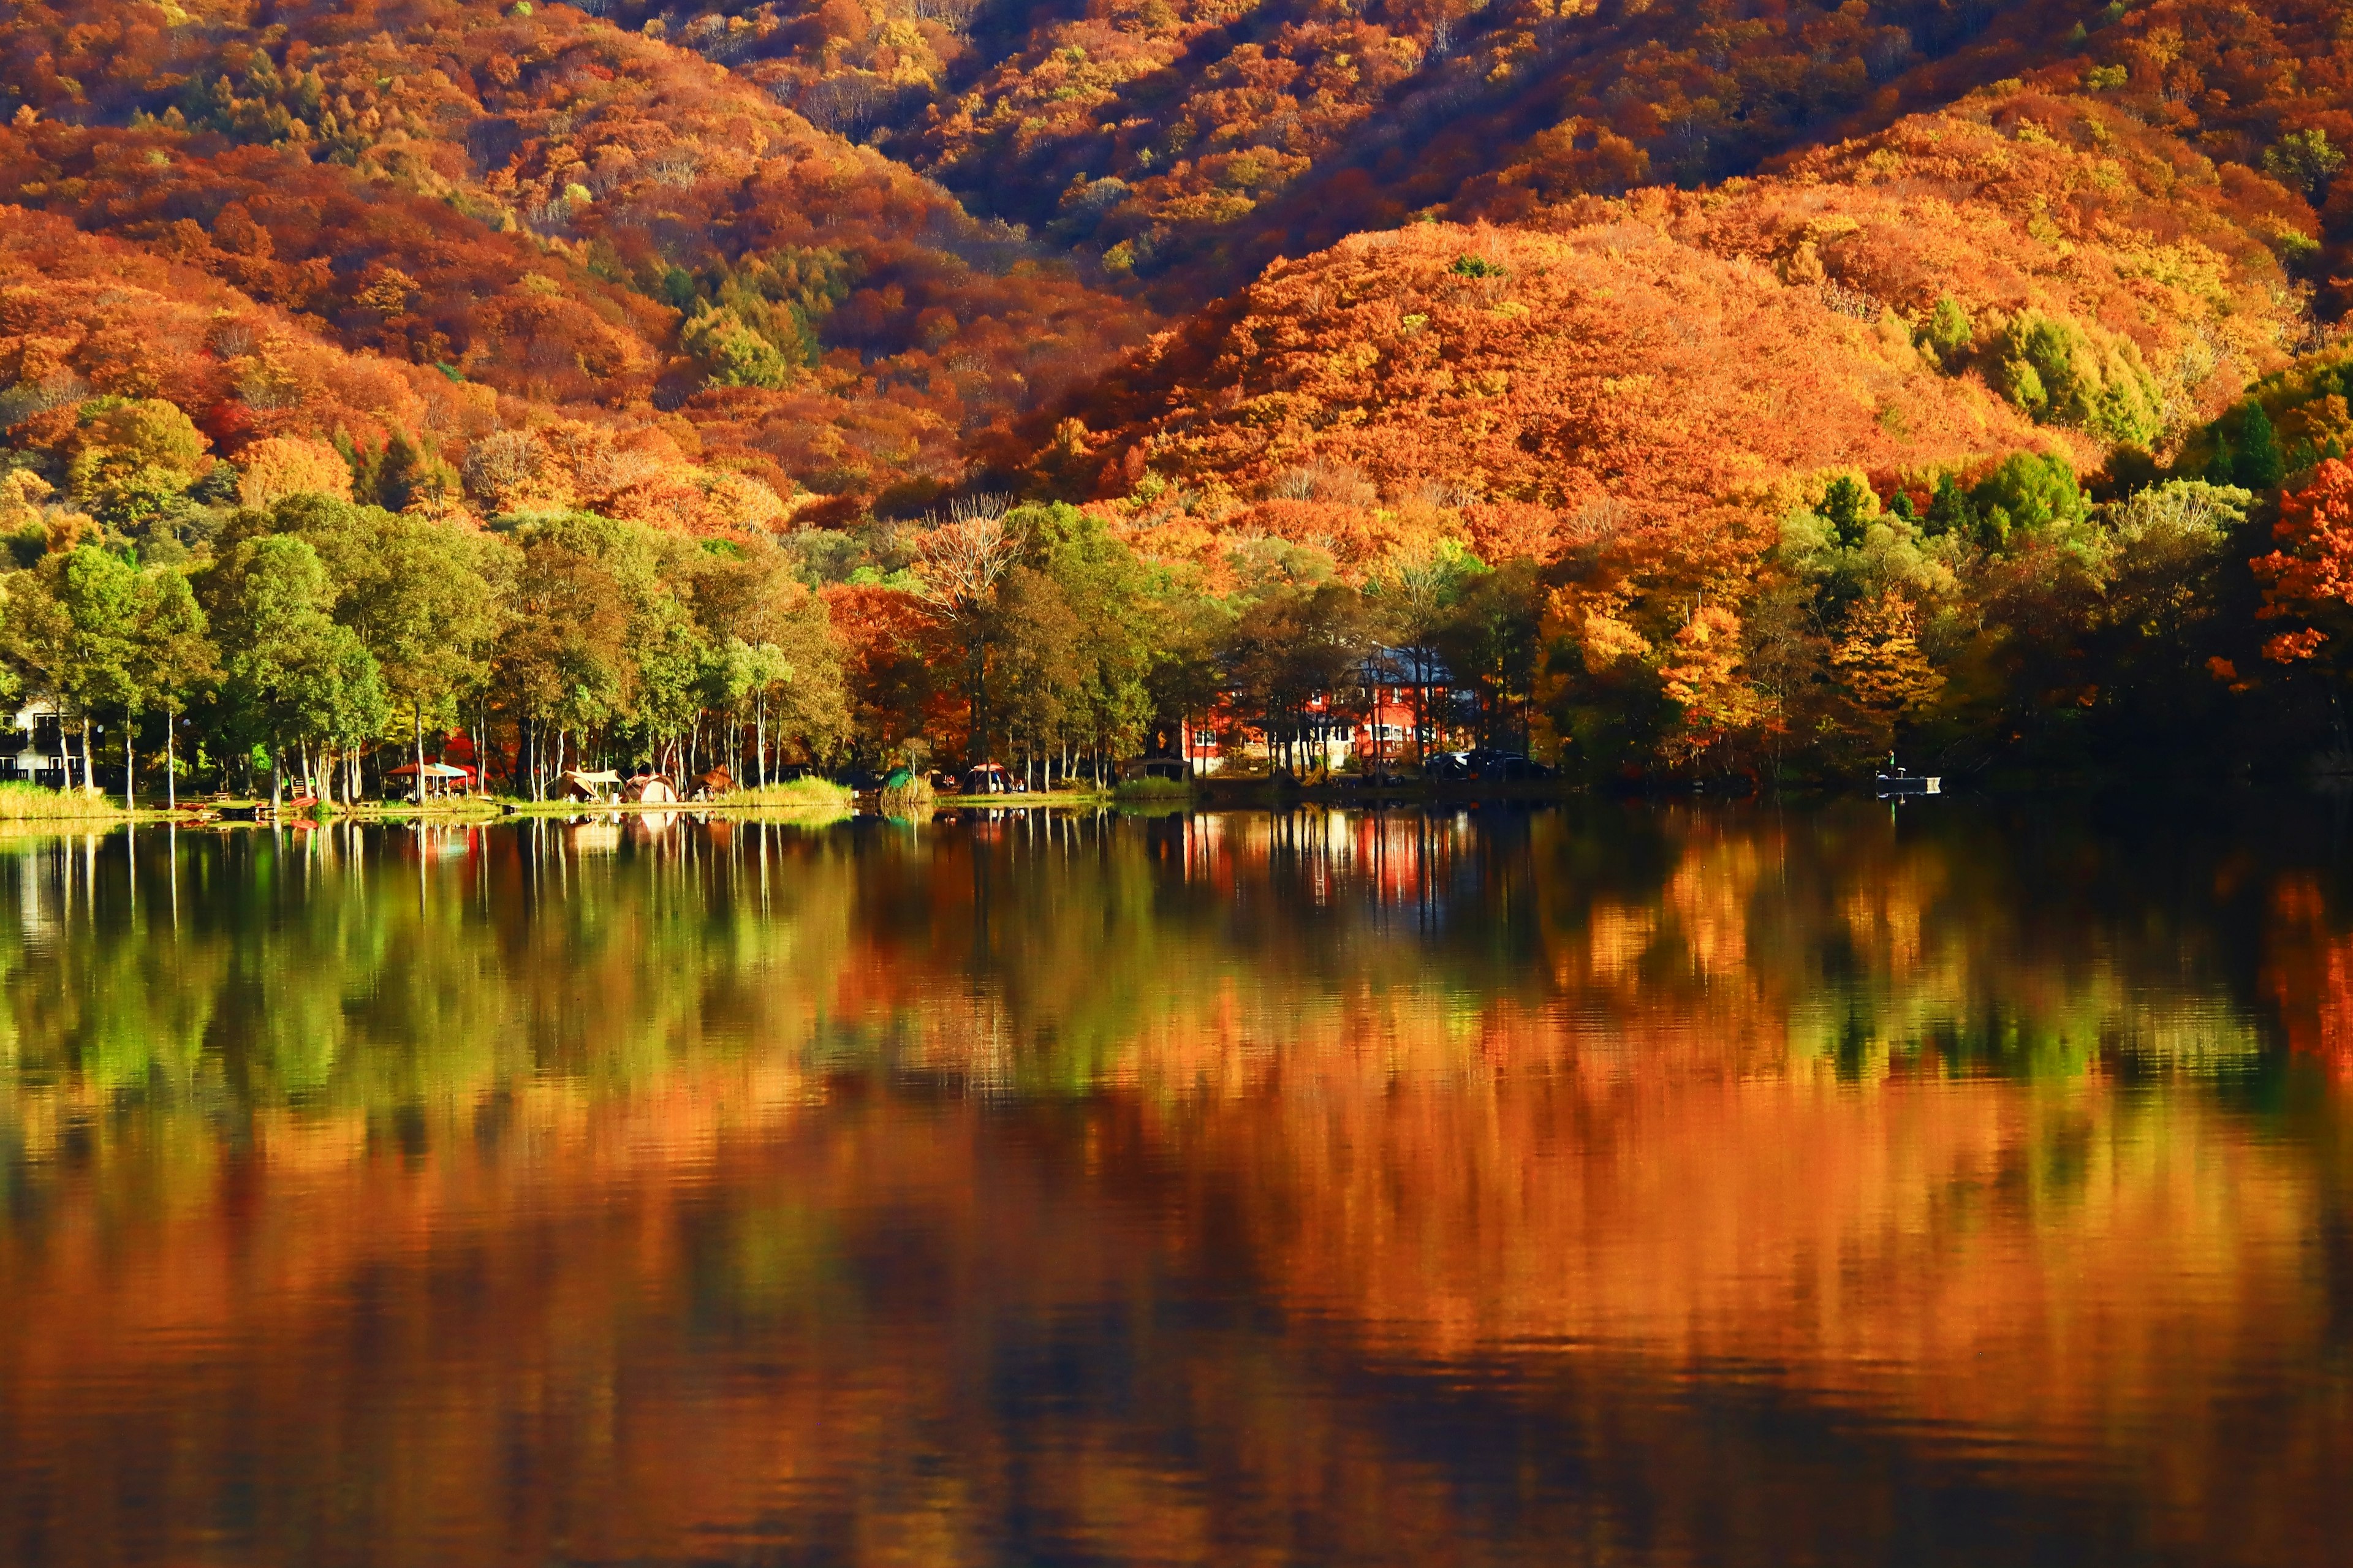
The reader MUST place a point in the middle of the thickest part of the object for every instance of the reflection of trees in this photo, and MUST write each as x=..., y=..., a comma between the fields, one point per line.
x=1377, y=1188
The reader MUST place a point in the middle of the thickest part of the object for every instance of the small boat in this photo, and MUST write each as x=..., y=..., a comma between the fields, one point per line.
x=1893, y=781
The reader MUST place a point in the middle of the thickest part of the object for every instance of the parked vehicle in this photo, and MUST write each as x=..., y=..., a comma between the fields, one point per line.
x=1507, y=767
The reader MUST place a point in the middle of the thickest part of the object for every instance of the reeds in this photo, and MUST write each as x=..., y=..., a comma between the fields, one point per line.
x=912, y=798
x=793, y=794
x=22, y=802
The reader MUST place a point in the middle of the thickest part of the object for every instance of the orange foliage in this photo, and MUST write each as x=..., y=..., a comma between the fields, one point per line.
x=512, y=195
x=277, y=467
x=2311, y=577
x=1608, y=389
x=80, y=315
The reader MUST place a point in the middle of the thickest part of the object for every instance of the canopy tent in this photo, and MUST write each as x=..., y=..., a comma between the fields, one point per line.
x=442, y=777
x=586, y=784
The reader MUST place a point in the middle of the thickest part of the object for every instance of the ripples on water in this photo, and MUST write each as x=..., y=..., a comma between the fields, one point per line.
x=1589, y=1186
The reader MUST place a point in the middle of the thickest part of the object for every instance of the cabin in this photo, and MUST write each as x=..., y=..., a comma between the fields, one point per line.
x=36, y=747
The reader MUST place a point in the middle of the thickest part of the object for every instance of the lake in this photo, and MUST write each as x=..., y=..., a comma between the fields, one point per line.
x=1602, y=1184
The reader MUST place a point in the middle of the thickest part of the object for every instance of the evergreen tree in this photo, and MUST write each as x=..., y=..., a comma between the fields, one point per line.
x=2256, y=461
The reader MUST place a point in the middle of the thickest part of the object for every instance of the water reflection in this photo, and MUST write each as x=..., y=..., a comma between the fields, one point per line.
x=1592, y=1186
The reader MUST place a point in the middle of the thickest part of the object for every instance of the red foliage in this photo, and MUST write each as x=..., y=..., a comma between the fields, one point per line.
x=2310, y=577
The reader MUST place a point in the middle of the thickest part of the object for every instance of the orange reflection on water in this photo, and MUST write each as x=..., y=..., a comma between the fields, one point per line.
x=1673, y=1186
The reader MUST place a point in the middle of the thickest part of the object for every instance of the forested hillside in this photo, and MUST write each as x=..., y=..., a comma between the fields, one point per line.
x=1722, y=390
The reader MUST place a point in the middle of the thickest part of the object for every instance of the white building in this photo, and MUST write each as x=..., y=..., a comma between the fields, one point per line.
x=34, y=749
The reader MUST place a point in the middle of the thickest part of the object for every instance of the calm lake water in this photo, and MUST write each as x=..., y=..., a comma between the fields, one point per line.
x=1592, y=1185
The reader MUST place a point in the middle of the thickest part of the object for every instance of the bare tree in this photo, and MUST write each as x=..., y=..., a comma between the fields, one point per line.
x=959, y=564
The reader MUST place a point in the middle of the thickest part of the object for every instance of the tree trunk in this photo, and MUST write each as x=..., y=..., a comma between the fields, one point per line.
x=171, y=764
x=277, y=778
x=977, y=748
x=129, y=769
x=417, y=735
x=89, y=779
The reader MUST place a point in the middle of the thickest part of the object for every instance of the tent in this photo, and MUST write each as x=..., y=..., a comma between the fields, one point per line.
x=441, y=773
x=583, y=784
x=649, y=789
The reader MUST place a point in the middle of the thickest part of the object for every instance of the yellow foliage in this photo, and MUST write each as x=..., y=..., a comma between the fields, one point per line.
x=282, y=465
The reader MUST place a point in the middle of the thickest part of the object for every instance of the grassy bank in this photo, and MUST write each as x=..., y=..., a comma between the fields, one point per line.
x=1153, y=792
x=793, y=794
x=33, y=802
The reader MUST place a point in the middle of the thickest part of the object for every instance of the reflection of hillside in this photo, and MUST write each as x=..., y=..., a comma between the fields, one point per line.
x=1379, y=1189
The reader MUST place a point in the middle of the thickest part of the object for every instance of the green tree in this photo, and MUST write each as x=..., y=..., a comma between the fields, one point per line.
x=94, y=655
x=132, y=457
x=1107, y=659
x=1949, y=510
x=731, y=353
x=170, y=658
x=1291, y=644
x=2030, y=491
x=1041, y=674
x=1947, y=333
x=1488, y=639
x=565, y=658
x=1848, y=506
x=2302, y=159
x=425, y=598
x=2256, y=462
x=2057, y=371
x=290, y=673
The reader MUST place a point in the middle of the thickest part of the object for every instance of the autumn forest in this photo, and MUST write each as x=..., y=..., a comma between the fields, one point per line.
x=1723, y=392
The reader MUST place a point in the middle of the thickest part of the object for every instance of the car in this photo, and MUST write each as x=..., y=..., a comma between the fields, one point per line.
x=1508, y=767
